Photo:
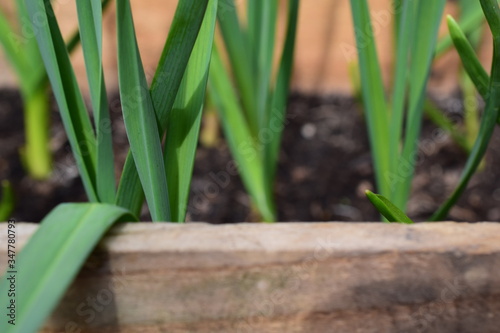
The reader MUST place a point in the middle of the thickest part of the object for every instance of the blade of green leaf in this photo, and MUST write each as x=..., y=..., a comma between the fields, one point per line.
x=468, y=56
x=397, y=9
x=51, y=259
x=71, y=105
x=254, y=25
x=238, y=47
x=472, y=22
x=265, y=52
x=373, y=93
x=280, y=95
x=71, y=44
x=406, y=29
x=424, y=43
x=470, y=61
x=185, y=118
x=387, y=208
x=242, y=144
x=182, y=36
x=7, y=202
x=90, y=22
x=491, y=112
x=140, y=118
x=181, y=39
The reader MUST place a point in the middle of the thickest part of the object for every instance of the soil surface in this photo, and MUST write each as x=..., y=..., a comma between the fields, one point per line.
x=325, y=166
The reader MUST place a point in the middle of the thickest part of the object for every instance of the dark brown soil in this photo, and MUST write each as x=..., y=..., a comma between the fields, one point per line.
x=325, y=166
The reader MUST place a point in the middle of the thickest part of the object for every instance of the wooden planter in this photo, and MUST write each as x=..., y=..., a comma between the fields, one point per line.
x=296, y=277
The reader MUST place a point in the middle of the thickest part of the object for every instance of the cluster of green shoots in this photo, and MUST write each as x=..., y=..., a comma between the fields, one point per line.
x=163, y=119
x=253, y=115
x=395, y=158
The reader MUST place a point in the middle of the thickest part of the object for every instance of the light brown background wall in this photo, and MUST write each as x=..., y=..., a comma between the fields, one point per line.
x=325, y=43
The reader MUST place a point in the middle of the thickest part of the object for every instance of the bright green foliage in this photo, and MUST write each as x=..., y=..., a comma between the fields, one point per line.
x=394, y=124
x=139, y=117
x=166, y=84
x=169, y=110
x=90, y=18
x=387, y=208
x=146, y=111
x=69, y=98
x=492, y=97
x=253, y=113
x=51, y=259
x=185, y=120
x=469, y=59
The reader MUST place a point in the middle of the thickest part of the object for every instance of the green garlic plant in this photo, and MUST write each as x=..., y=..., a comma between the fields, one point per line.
x=252, y=110
x=168, y=111
x=21, y=51
x=394, y=123
x=488, y=87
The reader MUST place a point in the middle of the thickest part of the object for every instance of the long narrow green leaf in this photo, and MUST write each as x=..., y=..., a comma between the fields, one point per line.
x=276, y=117
x=71, y=44
x=239, y=137
x=265, y=52
x=254, y=25
x=67, y=236
x=426, y=30
x=470, y=22
x=140, y=118
x=239, y=50
x=373, y=93
x=470, y=61
x=185, y=118
x=90, y=21
x=72, y=107
x=491, y=112
x=398, y=10
x=175, y=57
x=387, y=208
x=181, y=39
x=406, y=29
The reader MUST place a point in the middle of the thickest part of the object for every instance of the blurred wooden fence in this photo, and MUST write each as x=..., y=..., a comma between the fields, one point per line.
x=325, y=43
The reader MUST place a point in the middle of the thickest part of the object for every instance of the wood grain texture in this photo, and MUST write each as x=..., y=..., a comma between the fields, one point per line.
x=293, y=277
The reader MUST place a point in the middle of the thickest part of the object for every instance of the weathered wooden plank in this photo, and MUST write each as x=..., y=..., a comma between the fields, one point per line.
x=294, y=277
